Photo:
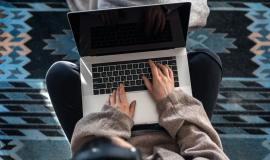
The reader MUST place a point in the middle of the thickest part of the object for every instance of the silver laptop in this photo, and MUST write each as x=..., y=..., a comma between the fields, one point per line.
x=115, y=46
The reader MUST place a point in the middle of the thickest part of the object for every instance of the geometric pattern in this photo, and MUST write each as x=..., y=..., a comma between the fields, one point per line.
x=63, y=45
x=27, y=119
x=34, y=34
x=260, y=28
x=13, y=38
x=205, y=38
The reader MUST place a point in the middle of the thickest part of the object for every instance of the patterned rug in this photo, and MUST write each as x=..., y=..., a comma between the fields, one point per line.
x=34, y=34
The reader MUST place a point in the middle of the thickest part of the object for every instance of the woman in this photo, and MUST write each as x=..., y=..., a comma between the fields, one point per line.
x=186, y=130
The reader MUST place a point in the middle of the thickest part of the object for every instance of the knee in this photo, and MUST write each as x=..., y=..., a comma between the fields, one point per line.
x=207, y=59
x=60, y=71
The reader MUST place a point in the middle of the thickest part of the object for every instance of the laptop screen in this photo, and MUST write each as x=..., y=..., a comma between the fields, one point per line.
x=132, y=29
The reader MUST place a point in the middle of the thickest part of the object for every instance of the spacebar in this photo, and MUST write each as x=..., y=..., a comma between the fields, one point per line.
x=135, y=88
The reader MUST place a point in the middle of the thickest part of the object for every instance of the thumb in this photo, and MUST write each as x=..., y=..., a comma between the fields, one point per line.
x=132, y=109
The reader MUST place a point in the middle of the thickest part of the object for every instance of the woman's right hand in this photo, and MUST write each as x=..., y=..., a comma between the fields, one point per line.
x=163, y=81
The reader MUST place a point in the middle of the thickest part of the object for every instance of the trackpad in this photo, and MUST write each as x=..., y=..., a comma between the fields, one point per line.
x=145, y=112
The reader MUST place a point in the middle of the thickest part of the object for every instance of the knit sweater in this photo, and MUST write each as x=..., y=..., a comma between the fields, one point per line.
x=189, y=131
x=198, y=15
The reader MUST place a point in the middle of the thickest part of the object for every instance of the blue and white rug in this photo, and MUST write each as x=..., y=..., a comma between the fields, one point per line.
x=35, y=33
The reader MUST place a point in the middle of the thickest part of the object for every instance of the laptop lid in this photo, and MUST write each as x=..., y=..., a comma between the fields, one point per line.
x=130, y=29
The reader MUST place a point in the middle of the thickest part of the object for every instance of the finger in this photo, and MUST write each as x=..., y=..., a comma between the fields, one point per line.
x=112, y=99
x=132, y=109
x=147, y=83
x=170, y=71
x=154, y=70
x=164, y=69
x=117, y=96
x=123, y=95
x=108, y=101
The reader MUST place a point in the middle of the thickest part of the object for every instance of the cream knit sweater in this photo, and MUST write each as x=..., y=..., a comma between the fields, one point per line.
x=198, y=15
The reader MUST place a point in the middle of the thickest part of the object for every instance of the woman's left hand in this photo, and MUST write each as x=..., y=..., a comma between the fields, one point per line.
x=119, y=100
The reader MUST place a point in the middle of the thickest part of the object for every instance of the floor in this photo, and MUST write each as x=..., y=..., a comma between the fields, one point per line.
x=35, y=33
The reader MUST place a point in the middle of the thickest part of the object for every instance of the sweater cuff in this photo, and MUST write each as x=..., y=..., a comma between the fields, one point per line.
x=109, y=122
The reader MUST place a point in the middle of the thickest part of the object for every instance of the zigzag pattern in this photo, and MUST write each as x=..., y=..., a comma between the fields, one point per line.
x=9, y=43
x=63, y=44
x=12, y=68
x=13, y=38
x=14, y=20
x=9, y=147
x=260, y=28
x=207, y=38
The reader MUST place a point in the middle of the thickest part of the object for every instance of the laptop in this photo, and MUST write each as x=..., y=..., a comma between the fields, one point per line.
x=115, y=46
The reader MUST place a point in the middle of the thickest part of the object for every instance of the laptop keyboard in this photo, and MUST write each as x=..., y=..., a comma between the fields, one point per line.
x=108, y=76
x=125, y=35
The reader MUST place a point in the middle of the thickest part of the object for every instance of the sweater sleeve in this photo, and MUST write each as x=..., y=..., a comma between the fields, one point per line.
x=109, y=122
x=198, y=16
x=186, y=121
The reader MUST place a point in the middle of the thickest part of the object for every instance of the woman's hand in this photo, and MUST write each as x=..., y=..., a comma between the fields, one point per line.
x=163, y=81
x=118, y=99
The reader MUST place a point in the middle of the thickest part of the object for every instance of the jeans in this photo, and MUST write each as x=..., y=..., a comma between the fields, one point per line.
x=64, y=86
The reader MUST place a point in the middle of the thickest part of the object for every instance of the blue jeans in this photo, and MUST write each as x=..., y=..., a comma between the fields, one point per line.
x=64, y=86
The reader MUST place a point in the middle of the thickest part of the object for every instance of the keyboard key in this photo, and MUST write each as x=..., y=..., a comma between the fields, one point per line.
x=115, y=73
x=138, y=82
x=135, y=66
x=173, y=62
x=129, y=78
x=174, y=68
x=105, y=79
x=102, y=91
x=135, y=77
x=129, y=66
x=139, y=71
x=109, y=74
x=141, y=65
x=164, y=62
x=133, y=71
x=127, y=83
x=124, y=66
x=94, y=69
x=108, y=91
x=111, y=79
x=96, y=75
x=103, y=74
x=176, y=84
x=106, y=68
x=123, y=78
x=98, y=86
x=121, y=73
x=109, y=85
x=97, y=80
x=118, y=67
x=115, y=85
x=112, y=68
x=145, y=70
x=96, y=92
x=132, y=83
x=100, y=69
x=117, y=79
x=127, y=72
